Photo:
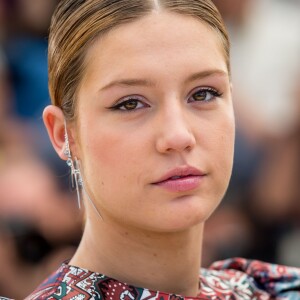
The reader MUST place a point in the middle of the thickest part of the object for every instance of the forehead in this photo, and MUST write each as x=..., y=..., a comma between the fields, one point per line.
x=156, y=41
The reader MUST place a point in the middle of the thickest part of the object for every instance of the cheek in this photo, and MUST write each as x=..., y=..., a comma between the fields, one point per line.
x=218, y=146
x=109, y=156
x=112, y=163
x=103, y=154
x=224, y=147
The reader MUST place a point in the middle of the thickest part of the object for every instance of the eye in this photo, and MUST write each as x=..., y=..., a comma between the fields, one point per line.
x=204, y=95
x=129, y=104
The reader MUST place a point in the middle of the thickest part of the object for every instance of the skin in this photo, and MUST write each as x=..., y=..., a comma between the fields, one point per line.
x=143, y=226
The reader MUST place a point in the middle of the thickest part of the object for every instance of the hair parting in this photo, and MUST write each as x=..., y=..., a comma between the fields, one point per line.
x=76, y=24
x=156, y=5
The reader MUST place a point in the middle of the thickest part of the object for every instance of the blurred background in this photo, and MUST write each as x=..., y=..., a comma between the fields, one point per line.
x=40, y=225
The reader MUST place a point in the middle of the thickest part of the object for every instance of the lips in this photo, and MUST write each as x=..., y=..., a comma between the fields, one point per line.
x=180, y=172
x=181, y=179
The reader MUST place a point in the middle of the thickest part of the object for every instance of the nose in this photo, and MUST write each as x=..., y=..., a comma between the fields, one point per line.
x=175, y=133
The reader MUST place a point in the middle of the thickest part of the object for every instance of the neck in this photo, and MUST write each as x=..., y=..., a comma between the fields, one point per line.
x=167, y=262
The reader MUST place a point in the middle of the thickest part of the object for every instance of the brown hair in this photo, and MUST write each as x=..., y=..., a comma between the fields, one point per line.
x=77, y=23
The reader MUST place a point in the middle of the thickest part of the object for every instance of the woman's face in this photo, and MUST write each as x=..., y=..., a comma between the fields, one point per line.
x=155, y=127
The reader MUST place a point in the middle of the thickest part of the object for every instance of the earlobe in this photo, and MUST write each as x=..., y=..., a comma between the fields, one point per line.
x=54, y=121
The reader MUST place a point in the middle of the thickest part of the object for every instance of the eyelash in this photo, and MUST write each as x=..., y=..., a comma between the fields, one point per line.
x=207, y=90
x=127, y=100
x=138, y=100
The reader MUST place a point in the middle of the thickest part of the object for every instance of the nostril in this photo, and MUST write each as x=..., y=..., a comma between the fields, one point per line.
x=189, y=147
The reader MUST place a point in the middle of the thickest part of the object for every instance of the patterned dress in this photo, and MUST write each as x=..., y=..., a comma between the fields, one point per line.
x=225, y=280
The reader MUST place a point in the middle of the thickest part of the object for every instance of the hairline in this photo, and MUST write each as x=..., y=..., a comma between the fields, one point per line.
x=69, y=106
x=97, y=38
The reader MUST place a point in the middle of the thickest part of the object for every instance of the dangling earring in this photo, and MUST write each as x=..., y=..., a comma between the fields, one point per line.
x=76, y=178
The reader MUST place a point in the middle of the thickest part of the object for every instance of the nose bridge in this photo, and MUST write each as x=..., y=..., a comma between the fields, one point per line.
x=175, y=117
x=175, y=128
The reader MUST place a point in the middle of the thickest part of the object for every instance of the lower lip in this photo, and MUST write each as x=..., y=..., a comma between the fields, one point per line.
x=184, y=184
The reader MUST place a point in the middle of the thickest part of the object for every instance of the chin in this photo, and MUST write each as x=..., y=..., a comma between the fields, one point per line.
x=187, y=215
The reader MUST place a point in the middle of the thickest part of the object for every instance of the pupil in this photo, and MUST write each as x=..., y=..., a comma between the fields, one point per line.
x=131, y=104
x=200, y=96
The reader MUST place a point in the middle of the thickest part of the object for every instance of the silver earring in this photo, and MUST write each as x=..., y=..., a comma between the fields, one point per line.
x=80, y=184
x=76, y=177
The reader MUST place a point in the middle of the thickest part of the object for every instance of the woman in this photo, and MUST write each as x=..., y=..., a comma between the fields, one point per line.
x=142, y=112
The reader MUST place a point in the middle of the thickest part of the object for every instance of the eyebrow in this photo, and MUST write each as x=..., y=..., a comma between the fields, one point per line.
x=144, y=82
x=204, y=74
x=128, y=82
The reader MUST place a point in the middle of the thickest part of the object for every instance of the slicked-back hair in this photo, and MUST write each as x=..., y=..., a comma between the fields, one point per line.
x=76, y=24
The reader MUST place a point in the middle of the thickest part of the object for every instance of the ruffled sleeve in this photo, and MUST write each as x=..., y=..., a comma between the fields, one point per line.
x=280, y=282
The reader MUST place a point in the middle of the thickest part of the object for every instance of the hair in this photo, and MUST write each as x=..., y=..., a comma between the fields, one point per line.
x=76, y=24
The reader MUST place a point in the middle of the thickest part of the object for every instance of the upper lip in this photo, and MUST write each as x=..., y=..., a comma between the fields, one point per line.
x=180, y=172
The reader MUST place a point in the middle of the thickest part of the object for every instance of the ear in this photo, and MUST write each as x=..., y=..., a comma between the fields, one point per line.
x=55, y=124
